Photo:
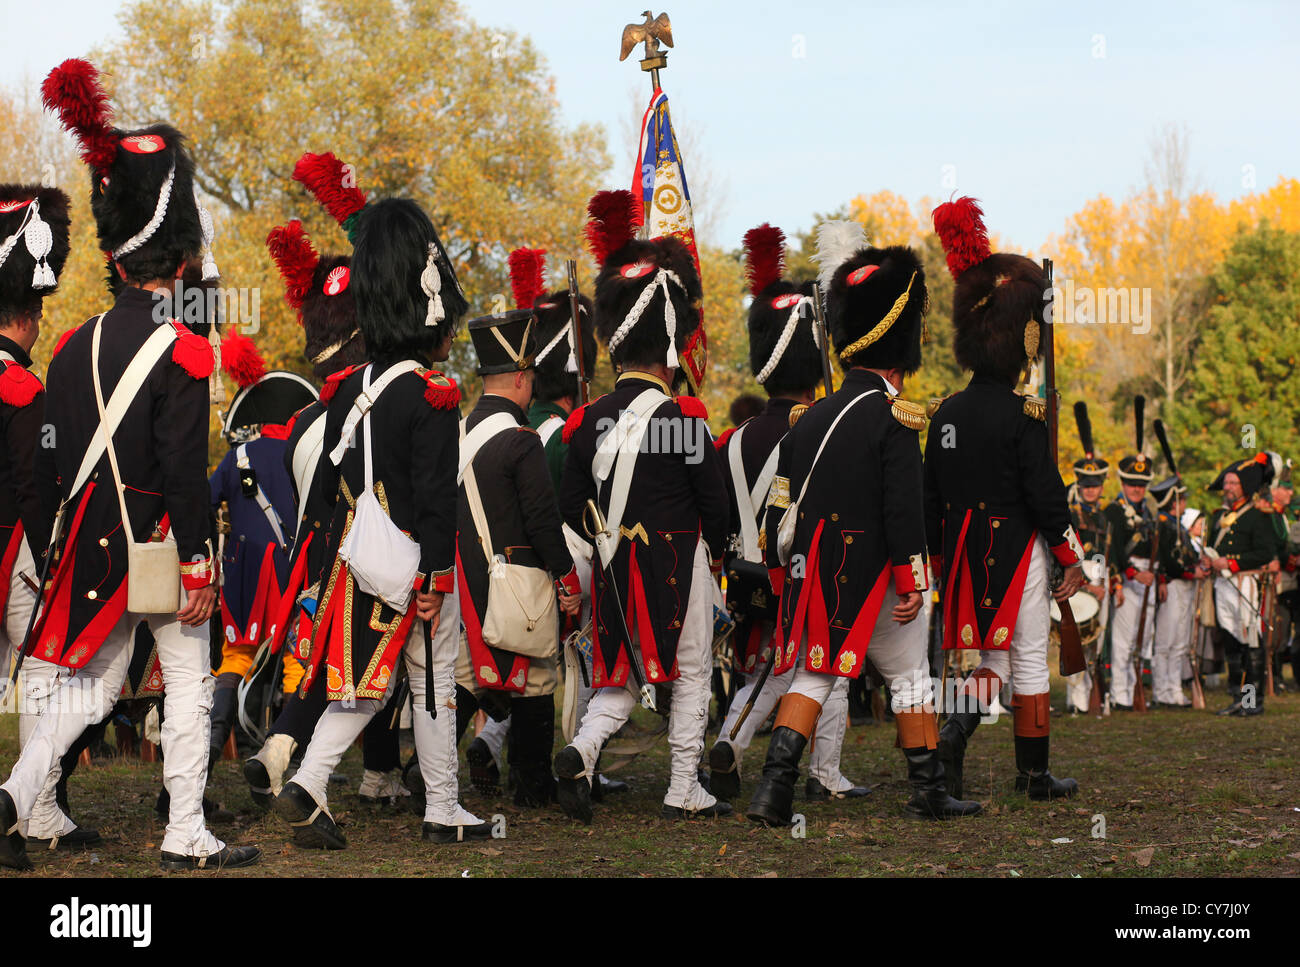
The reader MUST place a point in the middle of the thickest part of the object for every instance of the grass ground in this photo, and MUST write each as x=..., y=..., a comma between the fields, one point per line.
x=1176, y=793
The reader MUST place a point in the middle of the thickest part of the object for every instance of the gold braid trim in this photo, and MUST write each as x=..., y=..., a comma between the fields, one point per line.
x=910, y=415
x=882, y=326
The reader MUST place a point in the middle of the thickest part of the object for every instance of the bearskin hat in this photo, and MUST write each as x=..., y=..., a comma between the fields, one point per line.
x=556, y=362
x=319, y=289
x=784, y=354
x=648, y=292
x=407, y=296
x=34, y=246
x=142, y=180
x=997, y=296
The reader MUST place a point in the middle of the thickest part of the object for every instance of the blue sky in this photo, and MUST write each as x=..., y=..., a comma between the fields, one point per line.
x=796, y=107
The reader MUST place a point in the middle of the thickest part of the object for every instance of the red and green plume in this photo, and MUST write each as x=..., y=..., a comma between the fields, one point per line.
x=527, y=276
x=960, y=227
x=295, y=258
x=333, y=184
x=73, y=91
x=764, y=257
x=612, y=223
x=241, y=360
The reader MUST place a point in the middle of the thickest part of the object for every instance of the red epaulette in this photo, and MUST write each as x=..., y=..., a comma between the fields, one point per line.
x=441, y=391
x=572, y=423
x=192, y=352
x=693, y=407
x=721, y=442
x=334, y=380
x=63, y=341
x=18, y=386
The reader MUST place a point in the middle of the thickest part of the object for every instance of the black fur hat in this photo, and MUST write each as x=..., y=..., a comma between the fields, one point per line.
x=329, y=318
x=142, y=181
x=783, y=362
x=407, y=296
x=629, y=271
x=34, y=228
x=556, y=361
x=875, y=308
x=996, y=298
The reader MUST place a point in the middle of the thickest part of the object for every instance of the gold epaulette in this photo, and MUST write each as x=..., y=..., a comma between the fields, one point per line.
x=796, y=411
x=933, y=406
x=911, y=415
x=1036, y=408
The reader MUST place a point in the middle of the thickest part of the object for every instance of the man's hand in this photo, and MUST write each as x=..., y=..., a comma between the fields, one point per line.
x=198, y=606
x=1098, y=591
x=1119, y=595
x=1219, y=564
x=571, y=604
x=428, y=605
x=908, y=607
x=1071, y=583
x=1144, y=578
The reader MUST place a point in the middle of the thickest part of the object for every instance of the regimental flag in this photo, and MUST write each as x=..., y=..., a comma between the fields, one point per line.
x=659, y=187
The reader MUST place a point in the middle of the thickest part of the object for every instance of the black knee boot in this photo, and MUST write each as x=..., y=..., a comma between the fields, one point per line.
x=773, y=800
x=1032, y=776
x=225, y=701
x=930, y=798
x=532, y=735
x=1252, y=701
x=954, y=735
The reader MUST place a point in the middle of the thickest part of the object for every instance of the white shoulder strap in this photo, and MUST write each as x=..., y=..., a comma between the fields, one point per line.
x=834, y=423
x=472, y=442
x=6, y=358
x=365, y=400
x=124, y=393
x=268, y=511
x=622, y=455
x=551, y=427
x=748, y=526
x=306, y=458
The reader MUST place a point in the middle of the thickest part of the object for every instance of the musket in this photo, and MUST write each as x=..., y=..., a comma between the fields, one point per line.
x=819, y=320
x=575, y=307
x=1198, y=691
x=1098, y=690
x=593, y=522
x=757, y=689
x=1139, y=694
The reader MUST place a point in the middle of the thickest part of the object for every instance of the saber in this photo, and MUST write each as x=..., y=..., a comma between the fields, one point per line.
x=575, y=307
x=594, y=524
x=753, y=695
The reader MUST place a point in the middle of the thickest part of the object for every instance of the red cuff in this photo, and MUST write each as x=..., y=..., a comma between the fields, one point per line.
x=444, y=583
x=569, y=584
x=1233, y=566
x=1065, y=554
x=197, y=575
x=905, y=580
x=776, y=575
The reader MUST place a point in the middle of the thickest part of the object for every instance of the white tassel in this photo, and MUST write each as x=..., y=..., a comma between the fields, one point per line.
x=159, y=213
x=40, y=240
x=837, y=240
x=660, y=281
x=431, y=285
x=210, y=270
x=571, y=366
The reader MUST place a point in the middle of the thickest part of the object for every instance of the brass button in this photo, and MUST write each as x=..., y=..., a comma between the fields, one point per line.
x=92, y=595
x=668, y=537
x=990, y=562
x=672, y=581
x=103, y=542
x=801, y=515
x=674, y=624
x=948, y=505
x=835, y=516
x=981, y=505
x=848, y=539
x=844, y=579
x=997, y=523
x=988, y=602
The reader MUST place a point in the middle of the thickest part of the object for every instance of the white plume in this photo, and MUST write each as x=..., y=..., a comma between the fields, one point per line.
x=836, y=242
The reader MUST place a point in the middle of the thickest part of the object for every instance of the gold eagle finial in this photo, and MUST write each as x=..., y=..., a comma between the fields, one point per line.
x=654, y=30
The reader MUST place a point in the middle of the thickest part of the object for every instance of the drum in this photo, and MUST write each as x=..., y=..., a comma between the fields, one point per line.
x=1087, y=615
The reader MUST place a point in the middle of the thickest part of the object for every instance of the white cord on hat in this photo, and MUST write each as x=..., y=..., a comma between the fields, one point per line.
x=660, y=281
x=40, y=240
x=159, y=213
x=210, y=270
x=555, y=341
x=791, y=324
x=431, y=286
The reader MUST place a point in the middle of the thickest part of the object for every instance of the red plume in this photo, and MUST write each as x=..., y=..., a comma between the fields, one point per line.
x=241, y=360
x=764, y=256
x=960, y=227
x=323, y=175
x=74, y=92
x=295, y=258
x=527, y=266
x=612, y=224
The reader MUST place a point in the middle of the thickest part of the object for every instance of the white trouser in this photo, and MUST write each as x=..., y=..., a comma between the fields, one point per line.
x=824, y=761
x=84, y=697
x=18, y=611
x=435, y=739
x=493, y=735
x=1173, y=638
x=1236, y=604
x=688, y=717
x=1078, y=687
x=1123, y=639
x=897, y=651
x=1025, y=662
